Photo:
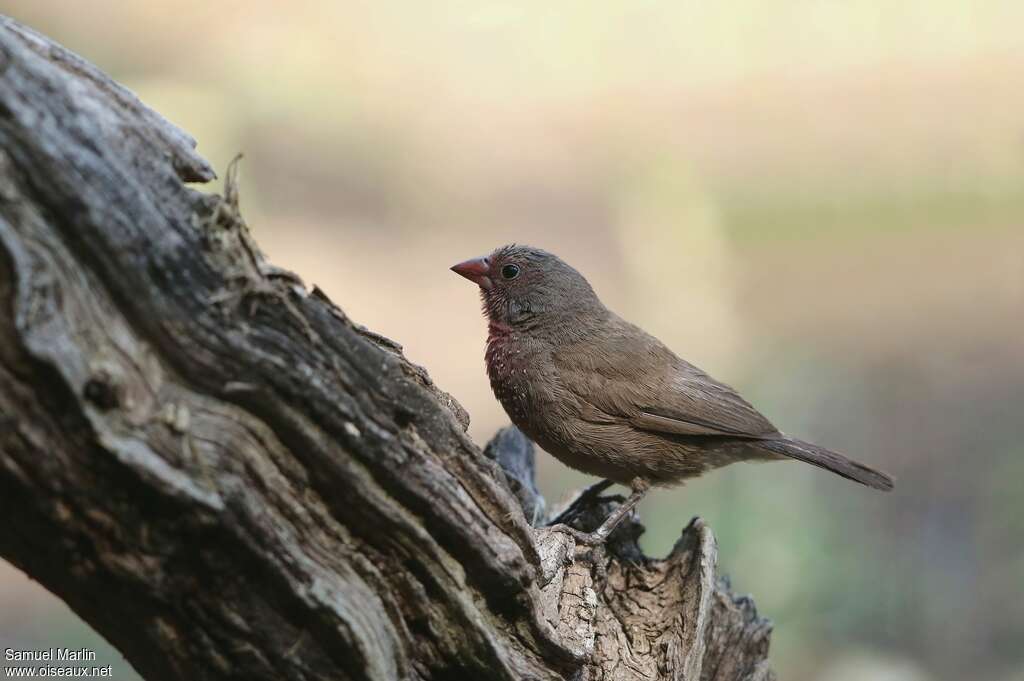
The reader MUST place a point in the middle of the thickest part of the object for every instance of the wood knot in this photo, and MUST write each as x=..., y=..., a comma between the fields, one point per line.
x=102, y=391
x=403, y=415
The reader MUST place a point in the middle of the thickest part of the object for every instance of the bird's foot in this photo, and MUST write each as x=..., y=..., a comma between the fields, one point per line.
x=596, y=538
x=640, y=487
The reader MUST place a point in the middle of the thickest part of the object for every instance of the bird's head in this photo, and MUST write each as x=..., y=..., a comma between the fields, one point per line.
x=523, y=287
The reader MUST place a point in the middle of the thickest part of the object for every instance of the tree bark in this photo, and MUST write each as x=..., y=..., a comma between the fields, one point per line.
x=228, y=478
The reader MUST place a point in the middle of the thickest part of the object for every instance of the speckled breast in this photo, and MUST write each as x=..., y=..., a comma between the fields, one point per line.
x=507, y=368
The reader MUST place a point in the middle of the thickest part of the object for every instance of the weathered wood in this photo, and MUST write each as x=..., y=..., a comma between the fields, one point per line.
x=229, y=479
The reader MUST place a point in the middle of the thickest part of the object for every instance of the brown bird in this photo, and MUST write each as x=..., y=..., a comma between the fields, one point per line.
x=605, y=397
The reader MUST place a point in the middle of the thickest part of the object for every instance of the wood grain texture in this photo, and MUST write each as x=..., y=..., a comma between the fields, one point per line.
x=230, y=479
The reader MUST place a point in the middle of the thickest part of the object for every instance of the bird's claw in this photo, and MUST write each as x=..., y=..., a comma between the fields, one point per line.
x=586, y=538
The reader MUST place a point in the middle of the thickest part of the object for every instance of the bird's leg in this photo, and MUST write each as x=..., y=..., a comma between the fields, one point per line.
x=640, y=488
x=585, y=497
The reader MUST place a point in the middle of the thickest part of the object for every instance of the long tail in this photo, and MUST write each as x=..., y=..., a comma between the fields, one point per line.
x=829, y=460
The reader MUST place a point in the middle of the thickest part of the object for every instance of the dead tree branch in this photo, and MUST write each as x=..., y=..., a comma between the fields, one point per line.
x=229, y=479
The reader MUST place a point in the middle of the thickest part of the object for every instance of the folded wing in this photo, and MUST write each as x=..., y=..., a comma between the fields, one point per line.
x=634, y=377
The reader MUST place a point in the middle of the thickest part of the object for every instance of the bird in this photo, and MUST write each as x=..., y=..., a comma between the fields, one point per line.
x=606, y=398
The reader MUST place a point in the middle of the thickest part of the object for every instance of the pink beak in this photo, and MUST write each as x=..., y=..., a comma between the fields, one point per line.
x=476, y=270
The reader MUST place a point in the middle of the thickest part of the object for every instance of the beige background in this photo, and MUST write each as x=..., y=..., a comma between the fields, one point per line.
x=819, y=202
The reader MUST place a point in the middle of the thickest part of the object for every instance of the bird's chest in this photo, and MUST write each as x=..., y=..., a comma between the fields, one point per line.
x=513, y=369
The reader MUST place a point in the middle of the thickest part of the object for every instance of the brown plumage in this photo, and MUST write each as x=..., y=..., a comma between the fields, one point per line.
x=607, y=398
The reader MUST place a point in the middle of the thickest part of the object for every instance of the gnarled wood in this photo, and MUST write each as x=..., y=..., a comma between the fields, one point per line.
x=229, y=479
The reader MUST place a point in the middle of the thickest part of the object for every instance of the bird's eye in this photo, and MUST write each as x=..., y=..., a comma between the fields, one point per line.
x=510, y=271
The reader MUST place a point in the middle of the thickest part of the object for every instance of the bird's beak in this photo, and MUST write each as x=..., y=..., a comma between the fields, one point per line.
x=476, y=270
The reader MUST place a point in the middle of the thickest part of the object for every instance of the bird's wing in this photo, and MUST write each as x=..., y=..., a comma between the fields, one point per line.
x=696, y=404
x=630, y=376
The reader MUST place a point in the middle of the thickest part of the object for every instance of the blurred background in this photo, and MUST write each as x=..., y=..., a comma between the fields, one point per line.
x=818, y=202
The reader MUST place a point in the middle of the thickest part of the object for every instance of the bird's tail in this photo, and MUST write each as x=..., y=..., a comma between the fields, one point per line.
x=829, y=460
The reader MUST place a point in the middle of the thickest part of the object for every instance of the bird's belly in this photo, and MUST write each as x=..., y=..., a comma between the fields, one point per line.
x=555, y=419
x=602, y=464
x=617, y=451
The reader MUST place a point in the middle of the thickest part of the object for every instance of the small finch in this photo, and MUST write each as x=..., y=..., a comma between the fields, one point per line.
x=606, y=398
